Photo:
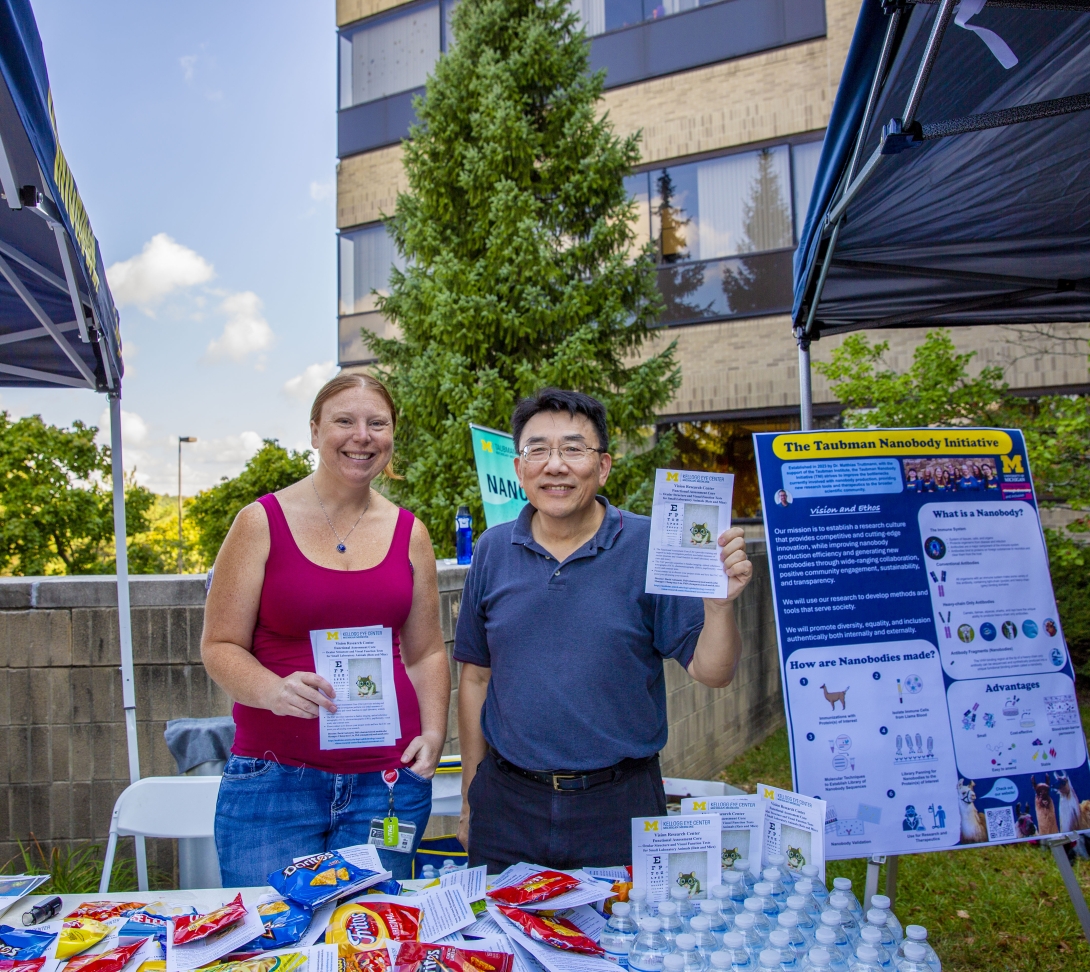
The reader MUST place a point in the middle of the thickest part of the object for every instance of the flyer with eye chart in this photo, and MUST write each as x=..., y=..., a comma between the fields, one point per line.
x=795, y=826
x=691, y=509
x=676, y=851
x=359, y=664
x=743, y=826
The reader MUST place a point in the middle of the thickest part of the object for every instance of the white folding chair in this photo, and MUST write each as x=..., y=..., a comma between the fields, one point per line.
x=161, y=806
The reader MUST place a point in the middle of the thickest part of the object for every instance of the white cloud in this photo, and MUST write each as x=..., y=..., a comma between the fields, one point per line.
x=188, y=63
x=321, y=190
x=161, y=267
x=304, y=387
x=134, y=430
x=246, y=331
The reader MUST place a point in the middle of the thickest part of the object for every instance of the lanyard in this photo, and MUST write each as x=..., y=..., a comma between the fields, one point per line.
x=390, y=823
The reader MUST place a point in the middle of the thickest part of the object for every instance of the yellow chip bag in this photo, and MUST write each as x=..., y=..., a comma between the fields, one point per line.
x=78, y=935
x=364, y=925
x=265, y=963
x=152, y=965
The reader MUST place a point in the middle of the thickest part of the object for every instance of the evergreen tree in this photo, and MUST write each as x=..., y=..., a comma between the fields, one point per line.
x=517, y=232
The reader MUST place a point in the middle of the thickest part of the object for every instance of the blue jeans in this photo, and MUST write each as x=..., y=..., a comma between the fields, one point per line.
x=268, y=814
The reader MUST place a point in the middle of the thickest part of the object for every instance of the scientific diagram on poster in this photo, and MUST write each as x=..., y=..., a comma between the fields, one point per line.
x=929, y=692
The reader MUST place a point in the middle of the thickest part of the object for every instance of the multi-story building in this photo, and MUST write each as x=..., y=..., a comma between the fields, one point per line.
x=732, y=97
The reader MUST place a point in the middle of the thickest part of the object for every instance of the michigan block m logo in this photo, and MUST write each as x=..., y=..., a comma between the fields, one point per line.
x=331, y=636
x=671, y=477
x=650, y=825
x=1012, y=464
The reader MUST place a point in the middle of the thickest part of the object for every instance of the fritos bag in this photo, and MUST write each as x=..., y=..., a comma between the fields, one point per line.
x=285, y=923
x=537, y=887
x=191, y=928
x=102, y=910
x=112, y=961
x=367, y=925
x=261, y=963
x=421, y=957
x=79, y=934
x=318, y=879
x=558, y=932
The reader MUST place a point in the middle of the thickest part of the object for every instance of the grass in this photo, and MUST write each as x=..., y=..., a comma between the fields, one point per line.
x=985, y=908
x=75, y=870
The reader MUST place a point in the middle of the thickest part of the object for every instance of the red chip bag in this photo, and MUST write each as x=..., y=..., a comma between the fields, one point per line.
x=558, y=932
x=537, y=887
x=112, y=961
x=377, y=960
x=22, y=965
x=102, y=910
x=190, y=928
x=421, y=957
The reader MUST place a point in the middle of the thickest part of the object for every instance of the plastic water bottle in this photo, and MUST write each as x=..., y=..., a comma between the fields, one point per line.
x=733, y=955
x=777, y=860
x=915, y=959
x=753, y=940
x=692, y=958
x=805, y=888
x=870, y=935
x=735, y=884
x=881, y=902
x=685, y=909
x=718, y=923
x=670, y=922
x=844, y=885
x=428, y=872
x=769, y=960
x=449, y=867
x=619, y=934
x=833, y=921
x=917, y=934
x=817, y=958
x=774, y=877
x=879, y=921
x=779, y=942
x=672, y=962
x=761, y=922
x=649, y=948
x=762, y=890
x=788, y=923
x=700, y=928
x=463, y=532
x=807, y=919
x=641, y=907
x=865, y=960
x=811, y=872
x=742, y=867
x=826, y=938
x=838, y=901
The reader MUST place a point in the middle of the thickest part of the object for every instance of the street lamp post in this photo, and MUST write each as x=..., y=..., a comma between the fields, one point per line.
x=181, y=541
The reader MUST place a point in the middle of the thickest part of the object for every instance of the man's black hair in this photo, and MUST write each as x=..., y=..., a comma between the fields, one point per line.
x=559, y=400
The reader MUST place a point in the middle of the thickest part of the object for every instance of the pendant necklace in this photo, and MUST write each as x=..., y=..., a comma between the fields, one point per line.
x=341, y=547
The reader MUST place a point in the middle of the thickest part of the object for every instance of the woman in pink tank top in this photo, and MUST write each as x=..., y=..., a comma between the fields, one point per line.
x=321, y=556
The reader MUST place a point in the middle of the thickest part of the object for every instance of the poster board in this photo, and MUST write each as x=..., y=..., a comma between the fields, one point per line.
x=494, y=456
x=929, y=693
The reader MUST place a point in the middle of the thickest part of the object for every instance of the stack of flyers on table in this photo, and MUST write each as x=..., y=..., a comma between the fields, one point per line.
x=16, y=886
x=769, y=822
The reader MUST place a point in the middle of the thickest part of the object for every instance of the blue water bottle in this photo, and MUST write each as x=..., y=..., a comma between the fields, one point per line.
x=463, y=531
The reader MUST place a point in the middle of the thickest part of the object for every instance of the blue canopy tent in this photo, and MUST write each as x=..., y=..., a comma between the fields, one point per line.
x=58, y=324
x=953, y=187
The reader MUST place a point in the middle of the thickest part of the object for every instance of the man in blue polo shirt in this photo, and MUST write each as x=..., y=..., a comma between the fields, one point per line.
x=562, y=698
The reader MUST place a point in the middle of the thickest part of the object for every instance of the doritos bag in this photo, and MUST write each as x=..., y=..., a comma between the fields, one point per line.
x=191, y=928
x=421, y=957
x=366, y=925
x=320, y=878
x=537, y=887
x=285, y=923
x=22, y=944
x=558, y=932
x=78, y=935
x=112, y=961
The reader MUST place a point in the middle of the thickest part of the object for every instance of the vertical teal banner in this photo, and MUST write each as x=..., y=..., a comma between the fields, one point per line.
x=494, y=453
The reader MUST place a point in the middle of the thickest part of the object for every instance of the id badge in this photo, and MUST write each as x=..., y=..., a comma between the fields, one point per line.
x=392, y=834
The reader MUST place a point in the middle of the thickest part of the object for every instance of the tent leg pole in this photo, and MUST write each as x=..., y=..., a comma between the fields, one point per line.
x=1074, y=892
x=870, y=888
x=891, y=881
x=806, y=396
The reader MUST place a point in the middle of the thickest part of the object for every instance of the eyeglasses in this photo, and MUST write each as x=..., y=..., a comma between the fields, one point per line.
x=573, y=452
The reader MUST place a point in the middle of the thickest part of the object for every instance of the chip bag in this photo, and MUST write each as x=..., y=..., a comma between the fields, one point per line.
x=190, y=928
x=366, y=925
x=22, y=944
x=79, y=934
x=152, y=920
x=22, y=965
x=102, y=910
x=537, y=887
x=152, y=965
x=261, y=963
x=318, y=879
x=421, y=957
x=112, y=961
x=558, y=932
x=377, y=960
x=285, y=923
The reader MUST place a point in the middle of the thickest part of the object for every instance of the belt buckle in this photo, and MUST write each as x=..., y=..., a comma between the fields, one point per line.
x=557, y=777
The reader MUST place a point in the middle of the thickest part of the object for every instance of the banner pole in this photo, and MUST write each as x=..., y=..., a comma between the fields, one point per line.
x=870, y=889
x=1074, y=892
x=891, y=880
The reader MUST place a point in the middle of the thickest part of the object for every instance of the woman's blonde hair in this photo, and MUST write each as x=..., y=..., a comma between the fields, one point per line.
x=343, y=382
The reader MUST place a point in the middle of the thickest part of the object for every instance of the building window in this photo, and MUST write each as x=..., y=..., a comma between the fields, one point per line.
x=724, y=230
x=366, y=257
x=602, y=16
x=804, y=163
x=391, y=53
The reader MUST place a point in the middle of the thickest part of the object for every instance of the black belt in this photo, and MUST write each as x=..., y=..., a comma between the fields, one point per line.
x=566, y=780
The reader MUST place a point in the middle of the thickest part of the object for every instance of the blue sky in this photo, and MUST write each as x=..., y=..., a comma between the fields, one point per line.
x=202, y=136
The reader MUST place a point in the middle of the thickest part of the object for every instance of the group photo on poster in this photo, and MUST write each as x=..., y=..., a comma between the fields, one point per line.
x=930, y=695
